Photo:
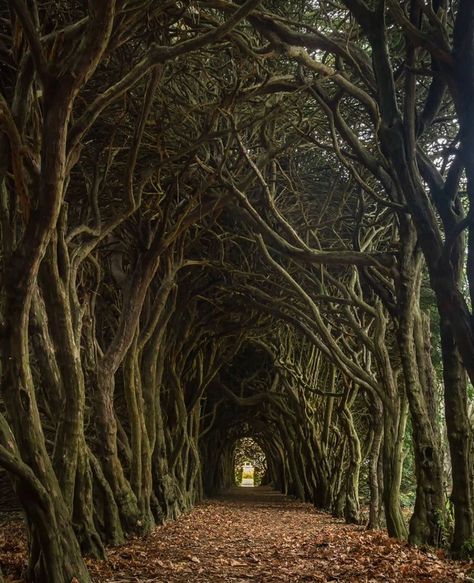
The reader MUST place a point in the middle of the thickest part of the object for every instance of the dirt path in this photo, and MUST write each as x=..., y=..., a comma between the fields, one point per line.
x=254, y=534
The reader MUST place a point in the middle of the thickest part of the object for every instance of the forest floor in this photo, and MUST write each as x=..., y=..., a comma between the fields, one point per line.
x=256, y=535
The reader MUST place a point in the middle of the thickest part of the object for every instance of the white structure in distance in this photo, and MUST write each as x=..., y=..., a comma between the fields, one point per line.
x=248, y=470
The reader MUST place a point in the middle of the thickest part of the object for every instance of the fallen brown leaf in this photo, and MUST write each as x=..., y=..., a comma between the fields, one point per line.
x=255, y=535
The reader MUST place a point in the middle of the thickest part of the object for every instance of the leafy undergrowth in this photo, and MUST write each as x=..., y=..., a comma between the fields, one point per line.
x=255, y=535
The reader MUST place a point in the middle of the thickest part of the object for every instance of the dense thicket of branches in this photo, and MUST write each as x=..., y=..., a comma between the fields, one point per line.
x=230, y=219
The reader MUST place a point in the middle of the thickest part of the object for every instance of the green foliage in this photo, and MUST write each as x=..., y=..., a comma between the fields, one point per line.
x=238, y=475
x=467, y=549
x=446, y=524
x=408, y=484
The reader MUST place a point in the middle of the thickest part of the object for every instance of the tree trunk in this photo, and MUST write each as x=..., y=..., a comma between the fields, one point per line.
x=106, y=424
x=394, y=432
x=375, y=484
x=459, y=437
x=427, y=519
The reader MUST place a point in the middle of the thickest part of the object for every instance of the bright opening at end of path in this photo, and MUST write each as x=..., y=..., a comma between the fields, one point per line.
x=250, y=464
x=248, y=475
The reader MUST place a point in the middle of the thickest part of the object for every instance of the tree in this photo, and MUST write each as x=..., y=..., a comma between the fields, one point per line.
x=217, y=220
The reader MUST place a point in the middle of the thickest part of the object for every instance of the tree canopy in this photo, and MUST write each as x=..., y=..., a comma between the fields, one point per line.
x=226, y=220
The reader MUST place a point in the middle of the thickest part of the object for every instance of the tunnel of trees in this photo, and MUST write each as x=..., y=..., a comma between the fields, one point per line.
x=224, y=220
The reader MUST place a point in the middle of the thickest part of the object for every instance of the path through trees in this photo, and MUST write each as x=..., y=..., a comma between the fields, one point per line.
x=223, y=220
x=258, y=535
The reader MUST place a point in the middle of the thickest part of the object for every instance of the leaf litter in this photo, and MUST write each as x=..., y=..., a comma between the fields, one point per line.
x=255, y=535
